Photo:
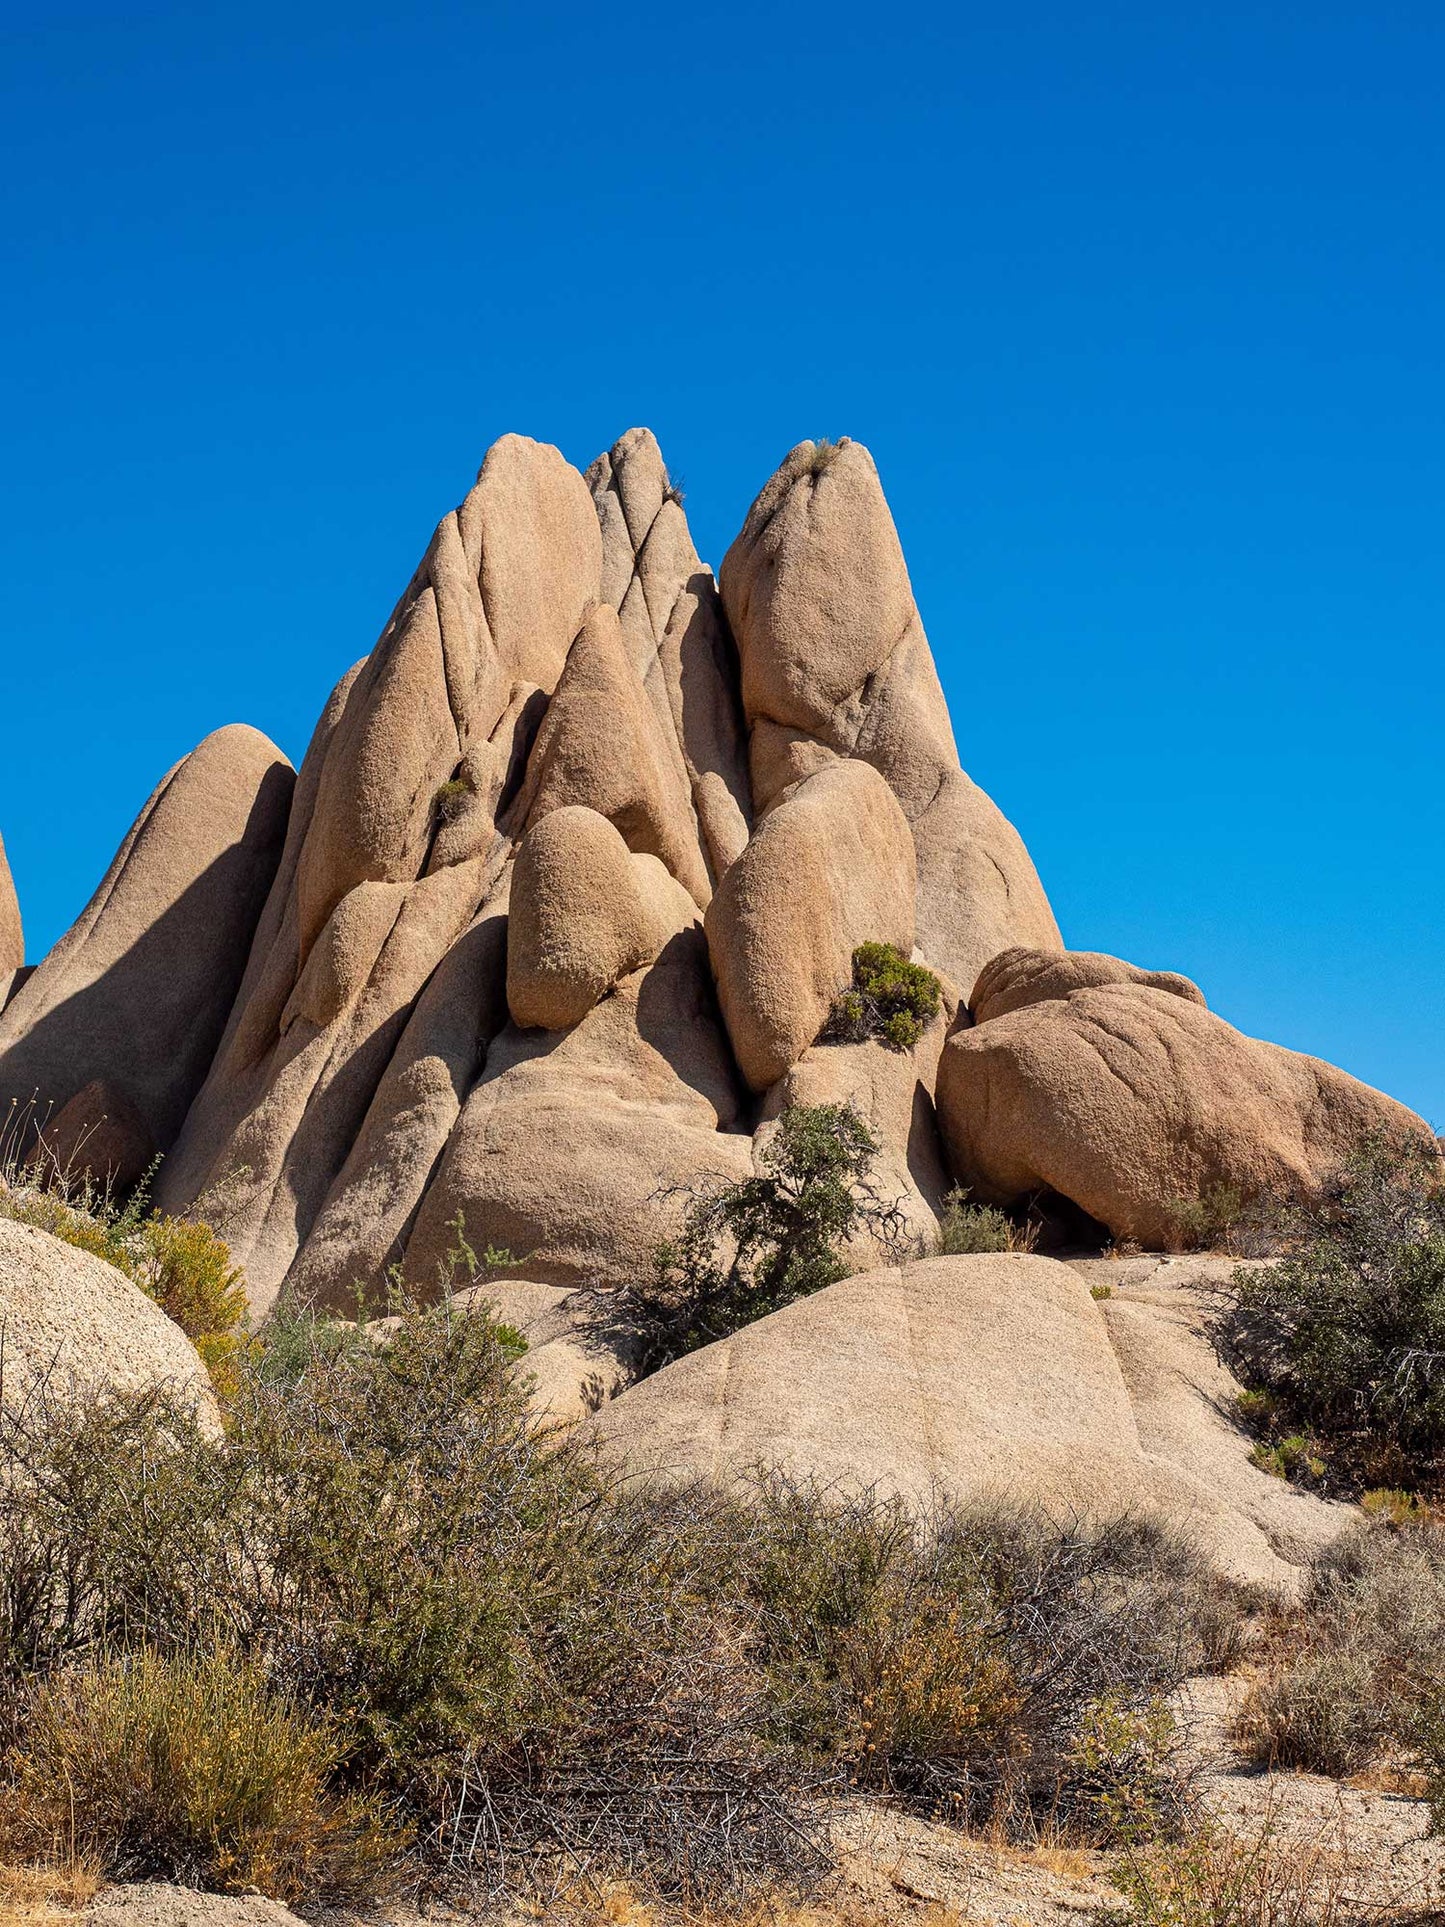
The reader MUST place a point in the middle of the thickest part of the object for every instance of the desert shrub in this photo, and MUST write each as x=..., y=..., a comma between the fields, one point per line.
x=1347, y=1331
x=1317, y=1711
x=965, y=1229
x=749, y=1247
x=450, y=800
x=187, y=1270
x=1359, y=1658
x=515, y=1654
x=1228, y=1218
x=189, y=1768
x=969, y=1663
x=891, y=999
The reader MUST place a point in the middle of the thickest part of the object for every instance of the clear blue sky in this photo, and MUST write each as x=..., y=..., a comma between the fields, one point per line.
x=1139, y=307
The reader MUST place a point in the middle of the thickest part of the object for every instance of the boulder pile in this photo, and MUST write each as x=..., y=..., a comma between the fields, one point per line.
x=551, y=920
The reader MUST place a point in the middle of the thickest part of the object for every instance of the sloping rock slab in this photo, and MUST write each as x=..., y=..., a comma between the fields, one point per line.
x=973, y=1377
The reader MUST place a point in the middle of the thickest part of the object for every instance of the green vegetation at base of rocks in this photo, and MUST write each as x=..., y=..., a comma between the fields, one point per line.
x=1343, y=1340
x=459, y=1644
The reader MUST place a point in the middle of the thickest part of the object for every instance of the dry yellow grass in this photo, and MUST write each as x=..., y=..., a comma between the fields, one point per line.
x=44, y=1896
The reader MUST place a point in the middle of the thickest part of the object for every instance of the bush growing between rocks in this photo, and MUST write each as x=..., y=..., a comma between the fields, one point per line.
x=750, y=1247
x=1347, y=1331
x=451, y=799
x=891, y=999
x=965, y=1229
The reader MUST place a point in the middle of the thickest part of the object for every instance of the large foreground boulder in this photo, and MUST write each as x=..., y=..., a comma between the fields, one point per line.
x=973, y=1378
x=137, y=992
x=1133, y=1101
x=77, y=1327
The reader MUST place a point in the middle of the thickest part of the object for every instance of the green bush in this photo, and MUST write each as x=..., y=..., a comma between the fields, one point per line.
x=190, y=1768
x=965, y=1229
x=1347, y=1331
x=750, y=1247
x=451, y=799
x=891, y=999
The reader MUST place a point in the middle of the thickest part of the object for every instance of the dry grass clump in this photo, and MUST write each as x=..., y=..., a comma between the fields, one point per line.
x=189, y=1768
x=45, y=1894
x=1262, y=1876
x=1356, y=1671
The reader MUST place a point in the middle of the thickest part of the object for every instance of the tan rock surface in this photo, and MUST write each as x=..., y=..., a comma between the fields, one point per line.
x=138, y=990
x=832, y=648
x=1017, y=978
x=677, y=636
x=374, y=887
x=77, y=1325
x=976, y=1377
x=829, y=868
x=567, y=1141
x=602, y=744
x=585, y=912
x=1159, y=1314
x=1130, y=1100
x=12, y=937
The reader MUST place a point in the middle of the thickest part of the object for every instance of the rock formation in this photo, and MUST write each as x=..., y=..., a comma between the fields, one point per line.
x=1129, y=1098
x=548, y=928
x=135, y=995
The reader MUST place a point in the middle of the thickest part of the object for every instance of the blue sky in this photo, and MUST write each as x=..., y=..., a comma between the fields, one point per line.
x=1138, y=307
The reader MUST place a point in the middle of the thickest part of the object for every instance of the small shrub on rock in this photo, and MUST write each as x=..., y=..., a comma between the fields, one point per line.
x=451, y=799
x=753, y=1246
x=891, y=999
x=965, y=1229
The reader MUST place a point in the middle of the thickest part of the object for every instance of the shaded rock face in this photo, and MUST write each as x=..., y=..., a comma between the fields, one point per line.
x=547, y=929
x=138, y=991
